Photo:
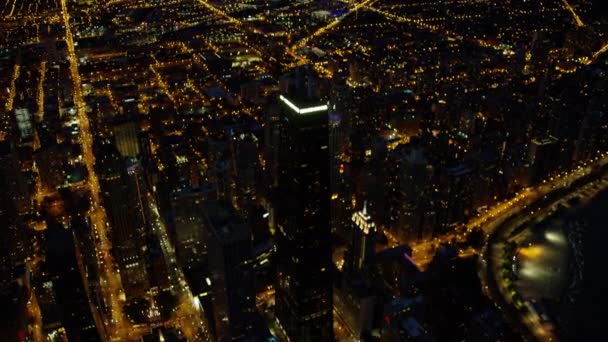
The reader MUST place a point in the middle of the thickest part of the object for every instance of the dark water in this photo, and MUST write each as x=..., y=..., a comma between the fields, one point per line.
x=588, y=318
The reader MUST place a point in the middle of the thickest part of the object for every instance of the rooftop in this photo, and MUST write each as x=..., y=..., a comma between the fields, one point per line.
x=303, y=107
x=225, y=223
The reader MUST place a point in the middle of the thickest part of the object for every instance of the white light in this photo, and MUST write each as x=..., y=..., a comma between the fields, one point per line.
x=555, y=237
x=291, y=105
x=302, y=110
x=313, y=109
x=208, y=281
x=265, y=215
x=196, y=302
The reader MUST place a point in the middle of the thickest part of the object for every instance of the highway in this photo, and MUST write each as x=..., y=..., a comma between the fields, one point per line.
x=489, y=220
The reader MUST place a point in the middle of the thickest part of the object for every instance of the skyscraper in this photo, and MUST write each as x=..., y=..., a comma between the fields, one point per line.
x=124, y=202
x=13, y=203
x=361, y=245
x=65, y=279
x=230, y=263
x=336, y=148
x=126, y=132
x=544, y=152
x=302, y=215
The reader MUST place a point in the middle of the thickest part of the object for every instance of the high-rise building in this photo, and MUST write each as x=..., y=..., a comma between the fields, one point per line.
x=413, y=211
x=231, y=268
x=191, y=243
x=24, y=120
x=220, y=161
x=144, y=148
x=15, y=184
x=543, y=155
x=593, y=135
x=62, y=274
x=338, y=185
x=126, y=135
x=455, y=194
x=13, y=202
x=50, y=162
x=245, y=164
x=302, y=215
x=361, y=245
x=124, y=200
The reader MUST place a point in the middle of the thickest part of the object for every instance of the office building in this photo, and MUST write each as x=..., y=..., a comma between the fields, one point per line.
x=67, y=284
x=302, y=213
x=231, y=268
x=543, y=157
x=124, y=200
x=361, y=244
x=126, y=132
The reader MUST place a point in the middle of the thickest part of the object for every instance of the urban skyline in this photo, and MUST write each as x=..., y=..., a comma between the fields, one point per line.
x=336, y=170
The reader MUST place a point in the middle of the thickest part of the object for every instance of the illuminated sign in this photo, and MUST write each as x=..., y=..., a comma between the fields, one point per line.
x=302, y=110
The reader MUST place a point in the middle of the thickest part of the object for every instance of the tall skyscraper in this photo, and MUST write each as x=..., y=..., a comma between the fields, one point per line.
x=245, y=161
x=302, y=215
x=361, y=246
x=124, y=201
x=337, y=146
x=62, y=274
x=13, y=181
x=413, y=213
x=231, y=266
x=24, y=120
x=13, y=203
x=126, y=132
x=191, y=243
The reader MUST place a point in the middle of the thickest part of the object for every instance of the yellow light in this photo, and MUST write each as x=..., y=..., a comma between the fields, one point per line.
x=531, y=252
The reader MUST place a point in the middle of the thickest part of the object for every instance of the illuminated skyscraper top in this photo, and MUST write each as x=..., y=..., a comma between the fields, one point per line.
x=361, y=247
x=301, y=211
x=363, y=221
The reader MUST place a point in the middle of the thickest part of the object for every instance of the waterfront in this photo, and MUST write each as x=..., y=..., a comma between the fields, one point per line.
x=585, y=320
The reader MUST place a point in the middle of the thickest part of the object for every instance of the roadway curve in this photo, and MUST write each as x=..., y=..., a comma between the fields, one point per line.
x=489, y=220
x=529, y=325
